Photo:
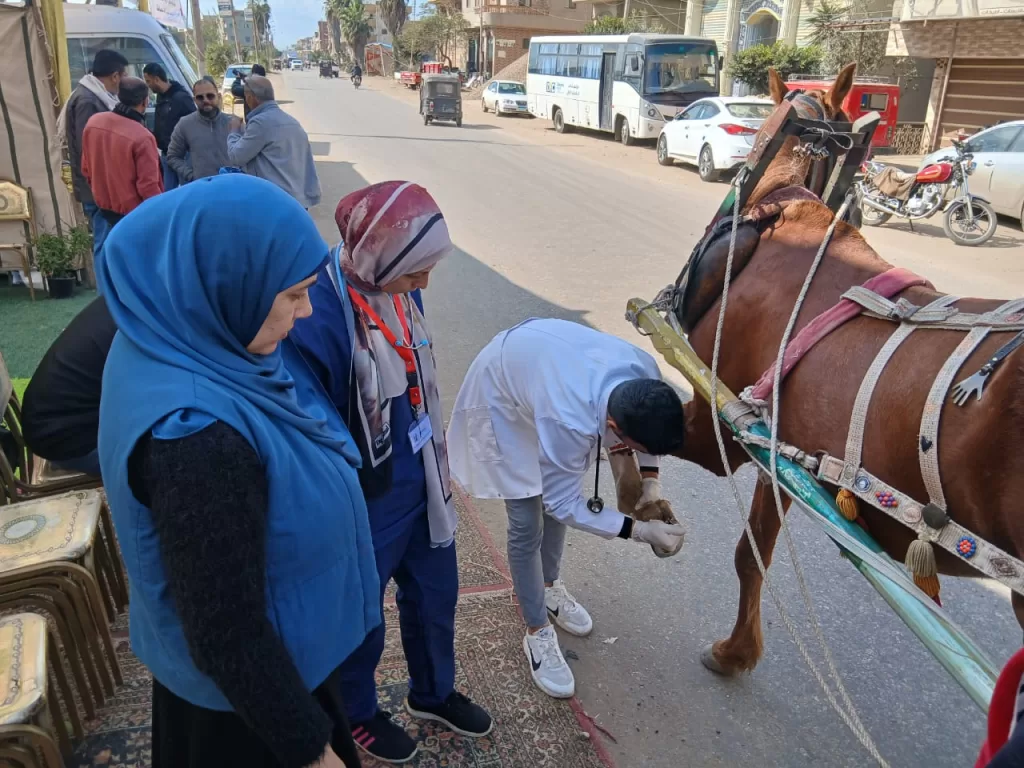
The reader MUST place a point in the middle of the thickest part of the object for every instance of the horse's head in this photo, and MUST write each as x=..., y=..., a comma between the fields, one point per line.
x=791, y=167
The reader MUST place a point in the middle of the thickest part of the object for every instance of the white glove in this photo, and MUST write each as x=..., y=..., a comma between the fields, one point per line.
x=664, y=539
x=651, y=491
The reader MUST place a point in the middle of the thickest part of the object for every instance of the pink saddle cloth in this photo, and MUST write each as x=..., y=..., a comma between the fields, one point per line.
x=887, y=284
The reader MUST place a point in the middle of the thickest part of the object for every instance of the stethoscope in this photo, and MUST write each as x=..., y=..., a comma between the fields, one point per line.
x=595, y=503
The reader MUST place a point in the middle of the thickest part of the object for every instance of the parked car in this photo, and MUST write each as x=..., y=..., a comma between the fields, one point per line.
x=999, y=173
x=505, y=97
x=714, y=133
x=229, y=77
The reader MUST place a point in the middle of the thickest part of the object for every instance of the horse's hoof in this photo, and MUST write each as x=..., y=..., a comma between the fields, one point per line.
x=707, y=658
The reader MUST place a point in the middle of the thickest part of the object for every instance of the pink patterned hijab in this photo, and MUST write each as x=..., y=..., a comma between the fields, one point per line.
x=390, y=230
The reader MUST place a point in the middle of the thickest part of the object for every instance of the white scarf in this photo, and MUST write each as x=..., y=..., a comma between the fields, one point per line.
x=91, y=83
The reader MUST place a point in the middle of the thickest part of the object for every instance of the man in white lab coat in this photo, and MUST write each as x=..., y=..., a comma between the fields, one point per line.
x=535, y=409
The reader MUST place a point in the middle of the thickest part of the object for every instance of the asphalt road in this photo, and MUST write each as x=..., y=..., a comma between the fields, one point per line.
x=571, y=227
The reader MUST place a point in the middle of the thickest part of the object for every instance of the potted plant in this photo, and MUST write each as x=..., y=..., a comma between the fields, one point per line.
x=56, y=262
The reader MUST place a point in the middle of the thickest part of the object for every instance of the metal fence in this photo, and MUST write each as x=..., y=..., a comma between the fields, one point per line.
x=909, y=139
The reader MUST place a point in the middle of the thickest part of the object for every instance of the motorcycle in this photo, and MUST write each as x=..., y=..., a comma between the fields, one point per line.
x=885, y=192
x=357, y=80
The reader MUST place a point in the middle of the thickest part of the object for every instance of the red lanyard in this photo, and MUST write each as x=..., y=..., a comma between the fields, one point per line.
x=403, y=348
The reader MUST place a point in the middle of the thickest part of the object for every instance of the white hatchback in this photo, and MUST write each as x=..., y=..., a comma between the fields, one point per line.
x=505, y=97
x=715, y=133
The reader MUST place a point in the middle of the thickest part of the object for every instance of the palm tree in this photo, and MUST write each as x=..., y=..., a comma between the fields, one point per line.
x=355, y=26
x=333, y=10
x=394, y=14
x=261, y=27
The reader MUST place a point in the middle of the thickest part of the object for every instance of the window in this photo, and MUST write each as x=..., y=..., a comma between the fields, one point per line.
x=138, y=51
x=710, y=110
x=993, y=140
x=750, y=111
x=511, y=89
x=547, y=59
x=526, y=43
x=567, y=66
x=692, y=113
x=570, y=5
x=180, y=60
x=493, y=87
x=874, y=102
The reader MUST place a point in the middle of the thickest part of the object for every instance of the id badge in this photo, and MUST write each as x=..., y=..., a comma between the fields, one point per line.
x=420, y=432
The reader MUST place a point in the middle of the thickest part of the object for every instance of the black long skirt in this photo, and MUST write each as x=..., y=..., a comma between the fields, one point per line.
x=188, y=736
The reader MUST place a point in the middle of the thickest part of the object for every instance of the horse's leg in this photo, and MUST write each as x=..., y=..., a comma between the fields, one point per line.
x=742, y=649
x=628, y=483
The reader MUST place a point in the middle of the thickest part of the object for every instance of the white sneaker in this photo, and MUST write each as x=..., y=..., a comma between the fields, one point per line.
x=547, y=664
x=566, y=612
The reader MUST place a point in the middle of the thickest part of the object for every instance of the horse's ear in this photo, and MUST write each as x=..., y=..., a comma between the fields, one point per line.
x=840, y=88
x=776, y=86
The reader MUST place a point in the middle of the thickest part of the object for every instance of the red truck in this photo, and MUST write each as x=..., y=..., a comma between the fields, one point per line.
x=869, y=94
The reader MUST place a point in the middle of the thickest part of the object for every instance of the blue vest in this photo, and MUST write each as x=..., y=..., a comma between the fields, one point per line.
x=322, y=587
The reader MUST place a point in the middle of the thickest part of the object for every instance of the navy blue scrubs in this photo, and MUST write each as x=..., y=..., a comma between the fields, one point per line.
x=427, y=577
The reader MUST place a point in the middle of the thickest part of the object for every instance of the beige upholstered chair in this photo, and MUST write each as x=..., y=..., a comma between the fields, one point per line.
x=16, y=205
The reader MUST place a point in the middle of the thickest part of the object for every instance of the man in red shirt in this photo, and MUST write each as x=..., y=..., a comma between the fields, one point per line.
x=120, y=159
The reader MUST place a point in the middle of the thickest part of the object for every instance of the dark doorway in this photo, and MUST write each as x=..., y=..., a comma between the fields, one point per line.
x=607, y=80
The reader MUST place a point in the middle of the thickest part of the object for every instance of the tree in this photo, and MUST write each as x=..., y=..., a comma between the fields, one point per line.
x=260, y=10
x=355, y=27
x=614, y=25
x=211, y=31
x=393, y=12
x=444, y=30
x=218, y=56
x=332, y=11
x=841, y=41
x=751, y=65
x=415, y=42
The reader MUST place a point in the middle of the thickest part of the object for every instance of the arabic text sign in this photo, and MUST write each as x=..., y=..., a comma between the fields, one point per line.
x=168, y=13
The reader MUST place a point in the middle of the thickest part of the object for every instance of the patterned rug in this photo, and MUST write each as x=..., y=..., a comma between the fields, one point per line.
x=531, y=730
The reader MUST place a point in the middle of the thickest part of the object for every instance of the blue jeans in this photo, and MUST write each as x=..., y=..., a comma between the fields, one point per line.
x=170, y=177
x=100, y=227
x=428, y=590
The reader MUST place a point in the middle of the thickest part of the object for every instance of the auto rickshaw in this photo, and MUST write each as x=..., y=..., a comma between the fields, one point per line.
x=326, y=69
x=441, y=99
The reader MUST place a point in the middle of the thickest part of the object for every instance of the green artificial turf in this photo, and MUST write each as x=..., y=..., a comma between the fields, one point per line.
x=27, y=329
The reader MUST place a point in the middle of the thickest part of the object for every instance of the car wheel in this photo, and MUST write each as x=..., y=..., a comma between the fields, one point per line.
x=624, y=134
x=426, y=119
x=483, y=104
x=706, y=165
x=559, y=120
x=663, y=156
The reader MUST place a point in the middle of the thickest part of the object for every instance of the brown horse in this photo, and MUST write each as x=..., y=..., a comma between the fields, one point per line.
x=980, y=445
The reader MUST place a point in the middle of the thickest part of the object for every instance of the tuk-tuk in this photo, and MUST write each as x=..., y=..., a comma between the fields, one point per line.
x=441, y=99
x=327, y=69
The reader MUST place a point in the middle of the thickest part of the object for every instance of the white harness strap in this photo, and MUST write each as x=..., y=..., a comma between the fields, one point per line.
x=858, y=420
x=927, y=446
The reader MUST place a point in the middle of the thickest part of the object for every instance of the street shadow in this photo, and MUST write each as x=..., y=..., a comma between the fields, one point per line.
x=474, y=126
x=928, y=229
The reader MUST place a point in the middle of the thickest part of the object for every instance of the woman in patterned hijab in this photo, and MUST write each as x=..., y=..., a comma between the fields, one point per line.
x=369, y=344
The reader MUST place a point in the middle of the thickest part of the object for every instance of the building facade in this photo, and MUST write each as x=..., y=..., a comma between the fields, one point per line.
x=236, y=27
x=500, y=30
x=978, y=49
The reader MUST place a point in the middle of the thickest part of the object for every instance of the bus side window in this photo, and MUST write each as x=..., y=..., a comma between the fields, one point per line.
x=632, y=67
x=532, y=66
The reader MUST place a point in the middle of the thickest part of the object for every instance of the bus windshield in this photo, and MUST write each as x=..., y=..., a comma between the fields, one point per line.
x=677, y=68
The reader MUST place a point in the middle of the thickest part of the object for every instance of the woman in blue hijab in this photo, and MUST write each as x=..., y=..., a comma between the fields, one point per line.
x=232, y=481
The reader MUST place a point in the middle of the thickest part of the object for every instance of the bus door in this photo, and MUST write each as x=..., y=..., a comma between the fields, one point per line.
x=607, y=81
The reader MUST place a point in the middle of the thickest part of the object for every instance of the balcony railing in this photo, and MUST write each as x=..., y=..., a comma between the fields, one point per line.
x=522, y=10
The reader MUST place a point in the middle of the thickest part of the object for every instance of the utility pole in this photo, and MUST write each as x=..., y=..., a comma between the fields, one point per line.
x=197, y=32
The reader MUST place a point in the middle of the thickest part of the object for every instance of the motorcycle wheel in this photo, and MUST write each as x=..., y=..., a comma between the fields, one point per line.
x=963, y=230
x=872, y=216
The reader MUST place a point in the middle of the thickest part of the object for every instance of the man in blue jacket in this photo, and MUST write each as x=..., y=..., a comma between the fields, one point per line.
x=273, y=145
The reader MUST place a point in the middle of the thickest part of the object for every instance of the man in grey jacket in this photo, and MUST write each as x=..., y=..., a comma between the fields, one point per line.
x=273, y=145
x=199, y=143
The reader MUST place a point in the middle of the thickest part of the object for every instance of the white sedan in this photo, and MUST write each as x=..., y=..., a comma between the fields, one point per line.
x=505, y=97
x=999, y=166
x=715, y=133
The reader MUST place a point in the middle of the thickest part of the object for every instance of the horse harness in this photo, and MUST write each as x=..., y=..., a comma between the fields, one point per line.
x=931, y=521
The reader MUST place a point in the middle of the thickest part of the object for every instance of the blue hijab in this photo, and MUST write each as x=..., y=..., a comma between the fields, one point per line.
x=189, y=277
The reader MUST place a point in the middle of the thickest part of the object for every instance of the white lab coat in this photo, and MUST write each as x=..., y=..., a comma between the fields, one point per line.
x=528, y=415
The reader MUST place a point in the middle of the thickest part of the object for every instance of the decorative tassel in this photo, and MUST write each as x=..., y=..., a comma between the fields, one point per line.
x=847, y=504
x=921, y=563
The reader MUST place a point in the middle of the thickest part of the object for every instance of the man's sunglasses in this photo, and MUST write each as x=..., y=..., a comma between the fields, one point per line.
x=206, y=96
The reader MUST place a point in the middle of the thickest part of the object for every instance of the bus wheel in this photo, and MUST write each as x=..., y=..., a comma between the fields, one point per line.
x=624, y=135
x=559, y=120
